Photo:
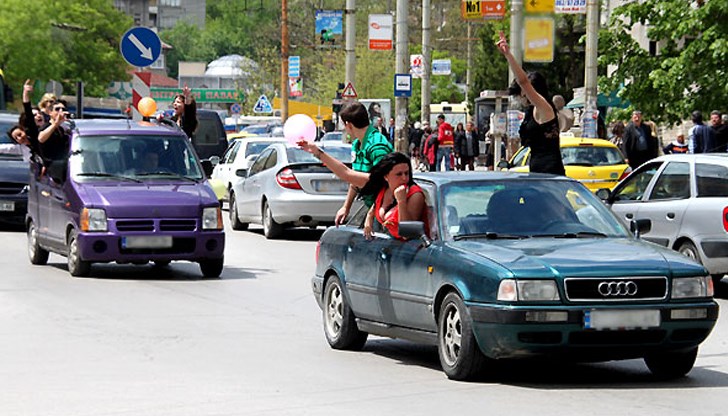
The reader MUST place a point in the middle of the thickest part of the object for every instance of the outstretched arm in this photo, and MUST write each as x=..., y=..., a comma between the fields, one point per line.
x=347, y=174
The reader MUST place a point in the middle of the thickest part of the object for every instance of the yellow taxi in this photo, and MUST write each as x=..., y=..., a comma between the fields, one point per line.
x=597, y=163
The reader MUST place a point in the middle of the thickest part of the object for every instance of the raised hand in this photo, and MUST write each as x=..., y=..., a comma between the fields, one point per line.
x=186, y=92
x=27, y=91
x=502, y=44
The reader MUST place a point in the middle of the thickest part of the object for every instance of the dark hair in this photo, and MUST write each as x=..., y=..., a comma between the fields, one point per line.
x=441, y=116
x=356, y=114
x=11, y=130
x=697, y=116
x=538, y=82
x=459, y=127
x=715, y=113
x=376, y=180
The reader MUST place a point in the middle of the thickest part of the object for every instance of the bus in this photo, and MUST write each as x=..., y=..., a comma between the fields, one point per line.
x=454, y=113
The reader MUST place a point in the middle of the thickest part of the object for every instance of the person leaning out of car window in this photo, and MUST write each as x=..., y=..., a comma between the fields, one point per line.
x=184, y=111
x=25, y=134
x=398, y=198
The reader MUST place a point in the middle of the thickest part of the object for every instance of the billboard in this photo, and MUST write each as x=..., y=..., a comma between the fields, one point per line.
x=329, y=28
x=380, y=31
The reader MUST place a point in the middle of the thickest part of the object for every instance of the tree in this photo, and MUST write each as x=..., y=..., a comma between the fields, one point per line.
x=66, y=41
x=688, y=70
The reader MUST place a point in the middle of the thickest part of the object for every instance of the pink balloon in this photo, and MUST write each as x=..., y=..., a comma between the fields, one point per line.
x=299, y=127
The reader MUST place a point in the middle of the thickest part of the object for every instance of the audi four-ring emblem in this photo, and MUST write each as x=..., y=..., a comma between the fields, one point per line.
x=622, y=288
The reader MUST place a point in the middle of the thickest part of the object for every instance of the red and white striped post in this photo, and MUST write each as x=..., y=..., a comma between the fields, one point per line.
x=140, y=88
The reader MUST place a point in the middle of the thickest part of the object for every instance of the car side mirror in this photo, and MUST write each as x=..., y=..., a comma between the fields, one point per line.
x=410, y=230
x=503, y=164
x=215, y=160
x=207, y=167
x=604, y=194
x=639, y=227
x=243, y=173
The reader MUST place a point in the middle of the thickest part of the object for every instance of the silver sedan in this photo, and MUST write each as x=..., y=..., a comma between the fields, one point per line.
x=287, y=187
x=686, y=198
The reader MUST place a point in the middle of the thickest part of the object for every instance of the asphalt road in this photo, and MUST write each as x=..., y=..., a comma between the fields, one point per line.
x=135, y=340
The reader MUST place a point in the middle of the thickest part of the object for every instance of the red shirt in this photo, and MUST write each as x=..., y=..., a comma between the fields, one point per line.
x=445, y=134
x=390, y=220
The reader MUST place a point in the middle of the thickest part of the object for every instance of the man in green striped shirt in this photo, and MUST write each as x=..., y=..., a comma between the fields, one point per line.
x=369, y=147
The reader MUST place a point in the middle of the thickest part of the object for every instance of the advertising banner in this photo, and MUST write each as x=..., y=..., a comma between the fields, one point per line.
x=380, y=31
x=515, y=118
x=570, y=6
x=295, y=87
x=417, y=68
x=538, y=39
x=329, y=28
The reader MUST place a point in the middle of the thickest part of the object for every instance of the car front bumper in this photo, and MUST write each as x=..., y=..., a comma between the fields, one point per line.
x=192, y=246
x=512, y=332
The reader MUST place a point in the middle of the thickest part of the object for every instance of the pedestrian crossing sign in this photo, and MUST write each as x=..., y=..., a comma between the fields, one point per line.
x=263, y=105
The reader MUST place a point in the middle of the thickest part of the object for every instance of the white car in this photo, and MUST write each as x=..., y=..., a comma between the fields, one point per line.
x=239, y=155
x=686, y=199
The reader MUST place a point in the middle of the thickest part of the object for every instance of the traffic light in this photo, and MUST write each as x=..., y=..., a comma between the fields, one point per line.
x=337, y=102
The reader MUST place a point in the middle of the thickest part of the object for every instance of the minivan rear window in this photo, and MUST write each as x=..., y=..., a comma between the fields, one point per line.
x=139, y=157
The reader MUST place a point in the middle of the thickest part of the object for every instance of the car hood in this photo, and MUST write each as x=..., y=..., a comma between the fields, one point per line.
x=550, y=257
x=136, y=200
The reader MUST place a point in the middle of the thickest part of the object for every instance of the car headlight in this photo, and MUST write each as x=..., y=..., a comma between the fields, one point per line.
x=93, y=219
x=692, y=287
x=211, y=218
x=527, y=290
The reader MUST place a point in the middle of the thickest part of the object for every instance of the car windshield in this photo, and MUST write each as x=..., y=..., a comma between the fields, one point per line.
x=341, y=153
x=109, y=157
x=591, y=156
x=255, y=148
x=332, y=136
x=524, y=209
x=256, y=129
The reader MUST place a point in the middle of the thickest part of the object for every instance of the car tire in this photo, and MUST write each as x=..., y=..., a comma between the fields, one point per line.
x=271, y=229
x=671, y=364
x=161, y=263
x=339, y=322
x=460, y=356
x=717, y=278
x=212, y=268
x=688, y=249
x=37, y=255
x=76, y=266
x=233, y=210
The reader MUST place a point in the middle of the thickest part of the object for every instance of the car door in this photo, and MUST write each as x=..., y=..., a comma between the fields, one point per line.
x=249, y=196
x=407, y=285
x=667, y=202
x=630, y=194
x=223, y=171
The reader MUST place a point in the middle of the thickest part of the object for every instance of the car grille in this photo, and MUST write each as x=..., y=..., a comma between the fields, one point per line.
x=135, y=225
x=11, y=188
x=177, y=225
x=611, y=289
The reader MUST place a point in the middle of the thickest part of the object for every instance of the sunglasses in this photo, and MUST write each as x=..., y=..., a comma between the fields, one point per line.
x=59, y=108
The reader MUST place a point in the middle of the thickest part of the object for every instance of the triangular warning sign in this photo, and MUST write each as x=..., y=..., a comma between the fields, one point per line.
x=349, y=91
x=263, y=105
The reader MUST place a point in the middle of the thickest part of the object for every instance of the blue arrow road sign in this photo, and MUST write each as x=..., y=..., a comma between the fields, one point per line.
x=140, y=46
x=263, y=105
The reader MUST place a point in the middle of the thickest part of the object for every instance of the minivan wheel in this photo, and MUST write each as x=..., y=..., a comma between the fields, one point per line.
x=671, y=364
x=76, y=266
x=339, y=323
x=36, y=254
x=271, y=229
x=460, y=356
x=212, y=268
x=234, y=219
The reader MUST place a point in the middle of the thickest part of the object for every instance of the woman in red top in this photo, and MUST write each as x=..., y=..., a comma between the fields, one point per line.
x=398, y=197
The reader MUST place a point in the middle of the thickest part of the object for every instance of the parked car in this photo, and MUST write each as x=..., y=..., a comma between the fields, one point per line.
x=128, y=193
x=209, y=139
x=287, y=187
x=239, y=155
x=332, y=136
x=686, y=198
x=596, y=163
x=264, y=130
x=514, y=265
x=14, y=174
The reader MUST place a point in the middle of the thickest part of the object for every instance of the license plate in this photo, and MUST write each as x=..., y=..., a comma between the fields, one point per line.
x=330, y=186
x=621, y=319
x=147, y=242
x=7, y=206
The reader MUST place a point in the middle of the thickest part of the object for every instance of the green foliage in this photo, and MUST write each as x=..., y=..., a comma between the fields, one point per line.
x=688, y=72
x=67, y=41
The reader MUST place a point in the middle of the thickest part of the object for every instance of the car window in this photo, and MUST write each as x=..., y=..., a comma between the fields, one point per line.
x=272, y=159
x=341, y=153
x=232, y=152
x=208, y=130
x=4, y=127
x=633, y=188
x=254, y=148
x=259, y=162
x=429, y=190
x=255, y=129
x=712, y=180
x=520, y=157
x=591, y=156
x=673, y=182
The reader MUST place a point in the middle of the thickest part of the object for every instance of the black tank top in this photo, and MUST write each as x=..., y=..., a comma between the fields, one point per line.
x=543, y=139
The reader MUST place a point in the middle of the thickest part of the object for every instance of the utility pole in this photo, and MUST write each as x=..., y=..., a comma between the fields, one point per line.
x=590, y=64
x=516, y=40
x=402, y=67
x=470, y=62
x=350, y=47
x=426, y=62
x=284, y=60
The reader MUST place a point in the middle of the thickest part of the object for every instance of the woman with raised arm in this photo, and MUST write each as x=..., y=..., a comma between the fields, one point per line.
x=540, y=127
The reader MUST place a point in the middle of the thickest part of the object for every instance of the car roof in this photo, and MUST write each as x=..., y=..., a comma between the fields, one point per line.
x=442, y=178
x=109, y=126
x=712, y=157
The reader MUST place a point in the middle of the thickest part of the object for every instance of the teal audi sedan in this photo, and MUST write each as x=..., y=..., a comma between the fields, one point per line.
x=514, y=265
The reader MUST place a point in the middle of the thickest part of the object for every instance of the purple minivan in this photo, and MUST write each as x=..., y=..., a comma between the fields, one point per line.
x=130, y=192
